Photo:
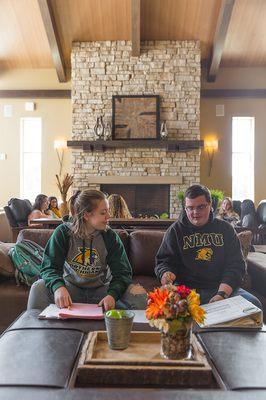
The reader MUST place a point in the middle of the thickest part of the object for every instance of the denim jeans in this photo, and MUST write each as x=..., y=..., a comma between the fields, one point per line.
x=135, y=297
x=207, y=294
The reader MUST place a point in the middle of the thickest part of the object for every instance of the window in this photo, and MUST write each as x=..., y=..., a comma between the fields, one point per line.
x=243, y=158
x=30, y=157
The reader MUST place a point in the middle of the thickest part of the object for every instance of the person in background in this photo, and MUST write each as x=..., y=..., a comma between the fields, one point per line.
x=202, y=252
x=53, y=206
x=118, y=207
x=226, y=212
x=85, y=262
x=40, y=208
x=248, y=214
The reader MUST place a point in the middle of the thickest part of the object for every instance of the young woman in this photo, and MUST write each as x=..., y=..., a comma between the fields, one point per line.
x=118, y=207
x=40, y=208
x=53, y=206
x=85, y=262
x=227, y=213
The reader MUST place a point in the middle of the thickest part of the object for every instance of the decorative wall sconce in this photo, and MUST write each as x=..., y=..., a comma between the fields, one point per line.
x=210, y=146
x=60, y=146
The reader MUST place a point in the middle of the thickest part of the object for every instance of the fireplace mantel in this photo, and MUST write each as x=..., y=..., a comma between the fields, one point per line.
x=141, y=180
x=169, y=145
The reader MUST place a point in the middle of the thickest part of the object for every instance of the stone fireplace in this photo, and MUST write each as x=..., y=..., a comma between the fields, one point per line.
x=170, y=69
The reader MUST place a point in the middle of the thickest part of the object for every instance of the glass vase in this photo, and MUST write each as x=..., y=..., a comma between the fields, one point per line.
x=177, y=346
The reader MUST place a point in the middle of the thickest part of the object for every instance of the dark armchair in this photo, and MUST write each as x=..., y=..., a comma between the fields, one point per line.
x=17, y=212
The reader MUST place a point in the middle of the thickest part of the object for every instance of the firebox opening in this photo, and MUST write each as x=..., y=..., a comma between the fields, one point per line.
x=144, y=201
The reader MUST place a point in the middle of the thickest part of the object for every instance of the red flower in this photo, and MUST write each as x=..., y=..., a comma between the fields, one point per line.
x=183, y=291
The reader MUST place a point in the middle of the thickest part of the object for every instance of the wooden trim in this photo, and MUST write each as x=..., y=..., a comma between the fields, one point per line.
x=53, y=38
x=233, y=93
x=219, y=37
x=35, y=94
x=135, y=27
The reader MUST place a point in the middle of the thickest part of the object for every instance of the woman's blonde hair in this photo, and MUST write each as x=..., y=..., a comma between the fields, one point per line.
x=87, y=200
x=230, y=201
x=118, y=207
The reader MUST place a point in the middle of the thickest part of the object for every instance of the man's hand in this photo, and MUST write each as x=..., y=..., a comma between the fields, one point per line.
x=216, y=297
x=62, y=297
x=108, y=303
x=168, y=277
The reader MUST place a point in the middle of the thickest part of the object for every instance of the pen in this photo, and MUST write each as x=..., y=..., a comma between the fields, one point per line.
x=69, y=308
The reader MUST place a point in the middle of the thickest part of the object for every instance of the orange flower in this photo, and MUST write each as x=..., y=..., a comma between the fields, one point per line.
x=156, y=303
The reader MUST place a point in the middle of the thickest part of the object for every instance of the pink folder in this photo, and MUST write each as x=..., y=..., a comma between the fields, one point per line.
x=81, y=310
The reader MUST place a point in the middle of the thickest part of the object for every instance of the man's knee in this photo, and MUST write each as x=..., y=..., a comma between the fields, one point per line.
x=136, y=296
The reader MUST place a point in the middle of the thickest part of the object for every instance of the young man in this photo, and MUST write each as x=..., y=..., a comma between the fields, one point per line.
x=202, y=252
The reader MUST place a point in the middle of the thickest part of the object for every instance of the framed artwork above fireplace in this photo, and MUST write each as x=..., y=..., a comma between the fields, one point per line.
x=136, y=117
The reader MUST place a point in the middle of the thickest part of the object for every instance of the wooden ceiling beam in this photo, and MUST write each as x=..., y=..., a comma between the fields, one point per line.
x=135, y=27
x=219, y=37
x=53, y=38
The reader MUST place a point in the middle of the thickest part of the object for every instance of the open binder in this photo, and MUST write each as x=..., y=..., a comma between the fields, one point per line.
x=77, y=310
x=232, y=312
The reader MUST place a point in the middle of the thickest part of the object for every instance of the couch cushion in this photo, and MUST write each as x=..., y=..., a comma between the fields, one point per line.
x=245, y=242
x=40, y=236
x=257, y=271
x=6, y=265
x=38, y=357
x=143, y=247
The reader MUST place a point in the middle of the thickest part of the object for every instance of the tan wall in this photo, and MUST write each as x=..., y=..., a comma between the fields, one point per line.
x=222, y=128
x=56, y=124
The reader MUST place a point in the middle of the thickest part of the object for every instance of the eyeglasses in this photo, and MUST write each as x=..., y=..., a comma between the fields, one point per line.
x=201, y=207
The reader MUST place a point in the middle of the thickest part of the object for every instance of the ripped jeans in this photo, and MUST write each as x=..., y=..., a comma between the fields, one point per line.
x=135, y=297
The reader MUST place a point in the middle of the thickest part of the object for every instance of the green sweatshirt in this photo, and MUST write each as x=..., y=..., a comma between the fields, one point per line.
x=91, y=263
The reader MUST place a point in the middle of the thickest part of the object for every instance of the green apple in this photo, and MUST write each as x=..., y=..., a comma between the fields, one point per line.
x=114, y=314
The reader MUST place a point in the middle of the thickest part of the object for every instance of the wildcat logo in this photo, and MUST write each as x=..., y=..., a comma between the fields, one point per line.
x=204, y=254
x=90, y=268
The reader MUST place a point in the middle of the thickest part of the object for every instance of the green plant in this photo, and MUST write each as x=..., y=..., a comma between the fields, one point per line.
x=180, y=195
x=164, y=216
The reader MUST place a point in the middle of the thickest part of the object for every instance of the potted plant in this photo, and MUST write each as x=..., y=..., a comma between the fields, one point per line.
x=172, y=309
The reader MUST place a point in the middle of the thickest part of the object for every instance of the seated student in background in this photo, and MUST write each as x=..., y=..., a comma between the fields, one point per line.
x=40, y=208
x=226, y=212
x=118, y=207
x=53, y=206
x=248, y=214
x=202, y=252
x=85, y=262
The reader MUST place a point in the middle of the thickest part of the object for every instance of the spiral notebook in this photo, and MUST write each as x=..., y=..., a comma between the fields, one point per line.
x=77, y=310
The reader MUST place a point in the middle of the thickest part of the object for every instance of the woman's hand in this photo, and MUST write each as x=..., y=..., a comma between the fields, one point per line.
x=62, y=298
x=168, y=277
x=216, y=297
x=108, y=303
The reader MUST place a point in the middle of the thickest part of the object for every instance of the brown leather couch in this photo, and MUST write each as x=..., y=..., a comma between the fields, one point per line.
x=141, y=247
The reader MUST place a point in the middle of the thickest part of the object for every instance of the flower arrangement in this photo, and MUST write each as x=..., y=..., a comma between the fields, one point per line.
x=171, y=307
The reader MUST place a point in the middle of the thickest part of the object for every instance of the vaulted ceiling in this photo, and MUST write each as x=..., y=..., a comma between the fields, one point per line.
x=233, y=29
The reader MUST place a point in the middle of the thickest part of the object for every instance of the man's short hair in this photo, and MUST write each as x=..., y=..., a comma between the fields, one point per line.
x=198, y=190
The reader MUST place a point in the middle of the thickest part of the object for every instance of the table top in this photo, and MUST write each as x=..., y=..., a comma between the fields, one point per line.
x=50, y=221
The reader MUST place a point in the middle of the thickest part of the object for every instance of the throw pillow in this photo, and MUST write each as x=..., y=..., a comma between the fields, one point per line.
x=245, y=239
x=245, y=242
x=6, y=265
